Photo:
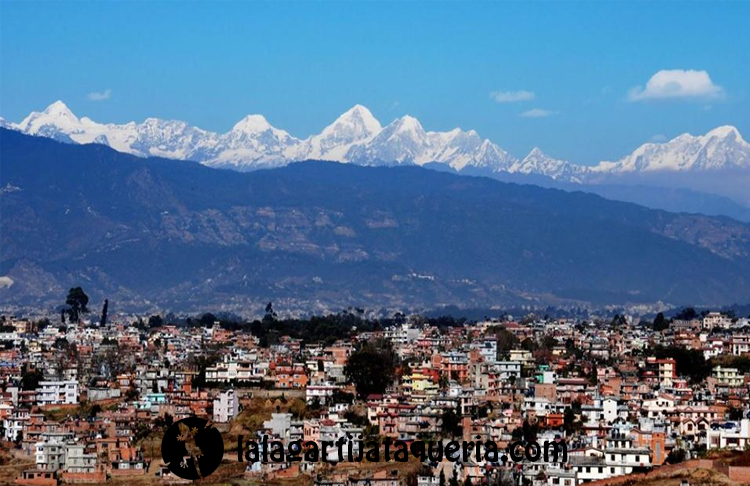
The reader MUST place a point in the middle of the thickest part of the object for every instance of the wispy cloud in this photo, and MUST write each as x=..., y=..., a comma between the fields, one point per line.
x=512, y=96
x=538, y=113
x=676, y=83
x=658, y=138
x=100, y=95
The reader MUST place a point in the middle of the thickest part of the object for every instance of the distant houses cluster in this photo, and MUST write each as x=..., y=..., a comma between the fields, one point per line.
x=80, y=399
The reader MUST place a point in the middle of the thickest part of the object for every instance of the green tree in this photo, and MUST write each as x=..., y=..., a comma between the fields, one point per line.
x=77, y=302
x=208, y=320
x=30, y=379
x=371, y=368
x=660, y=322
x=506, y=340
x=530, y=431
x=95, y=409
x=105, y=308
x=155, y=321
x=676, y=456
x=686, y=314
x=61, y=343
x=451, y=423
x=690, y=362
x=270, y=314
x=571, y=424
x=734, y=413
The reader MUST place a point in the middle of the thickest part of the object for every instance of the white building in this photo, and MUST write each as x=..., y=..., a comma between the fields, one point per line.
x=280, y=425
x=13, y=424
x=78, y=461
x=226, y=407
x=506, y=369
x=50, y=452
x=57, y=392
x=729, y=435
x=322, y=393
x=716, y=319
x=235, y=369
x=730, y=377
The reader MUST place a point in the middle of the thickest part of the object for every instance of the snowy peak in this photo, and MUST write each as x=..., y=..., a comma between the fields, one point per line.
x=60, y=109
x=252, y=143
x=403, y=141
x=356, y=123
x=462, y=150
x=407, y=129
x=721, y=148
x=725, y=131
x=536, y=153
x=252, y=124
x=54, y=121
x=354, y=127
x=537, y=162
x=356, y=136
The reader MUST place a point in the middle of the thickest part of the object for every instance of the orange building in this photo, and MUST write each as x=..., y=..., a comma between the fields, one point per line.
x=290, y=376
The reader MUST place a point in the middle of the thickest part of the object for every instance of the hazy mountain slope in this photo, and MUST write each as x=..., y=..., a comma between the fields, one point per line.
x=186, y=236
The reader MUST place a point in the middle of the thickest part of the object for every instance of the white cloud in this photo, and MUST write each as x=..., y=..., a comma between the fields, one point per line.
x=100, y=95
x=658, y=138
x=538, y=113
x=676, y=83
x=512, y=96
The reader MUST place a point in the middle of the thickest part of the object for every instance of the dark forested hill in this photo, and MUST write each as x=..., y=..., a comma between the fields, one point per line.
x=313, y=234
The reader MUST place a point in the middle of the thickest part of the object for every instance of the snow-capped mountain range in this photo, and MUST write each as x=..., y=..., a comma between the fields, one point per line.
x=721, y=148
x=358, y=137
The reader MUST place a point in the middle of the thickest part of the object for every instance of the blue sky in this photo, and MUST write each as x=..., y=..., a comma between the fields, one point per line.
x=448, y=64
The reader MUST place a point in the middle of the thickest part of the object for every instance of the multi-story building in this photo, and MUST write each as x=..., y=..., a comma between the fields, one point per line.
x=226, y=406
x=728, y=377
x=57, y=392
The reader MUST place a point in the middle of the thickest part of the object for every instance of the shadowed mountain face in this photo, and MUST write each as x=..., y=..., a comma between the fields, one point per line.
x=317, y=235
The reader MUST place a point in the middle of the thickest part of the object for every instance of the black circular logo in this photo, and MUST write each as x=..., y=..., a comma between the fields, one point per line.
x=192, y=448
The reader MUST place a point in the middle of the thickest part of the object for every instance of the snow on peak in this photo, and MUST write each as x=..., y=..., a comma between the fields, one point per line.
x=252, y=124
x=536, y=152
x=720, y=148
x=55, y=121
x=356, y=136
x=537, y=162
x=358, y=117
x=354, y=127
x=725, y=131
x=408, y=123
x=59, y=108
x=406, y=129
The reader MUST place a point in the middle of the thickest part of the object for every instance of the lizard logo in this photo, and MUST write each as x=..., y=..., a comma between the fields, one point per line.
x=192, y=448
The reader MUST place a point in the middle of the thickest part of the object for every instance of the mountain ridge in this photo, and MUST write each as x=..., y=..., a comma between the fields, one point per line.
x=321, y=235
x=357, y=136
x=707, y=174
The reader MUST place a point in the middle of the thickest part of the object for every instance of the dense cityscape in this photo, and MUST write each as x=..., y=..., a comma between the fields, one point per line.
x=87, y=396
